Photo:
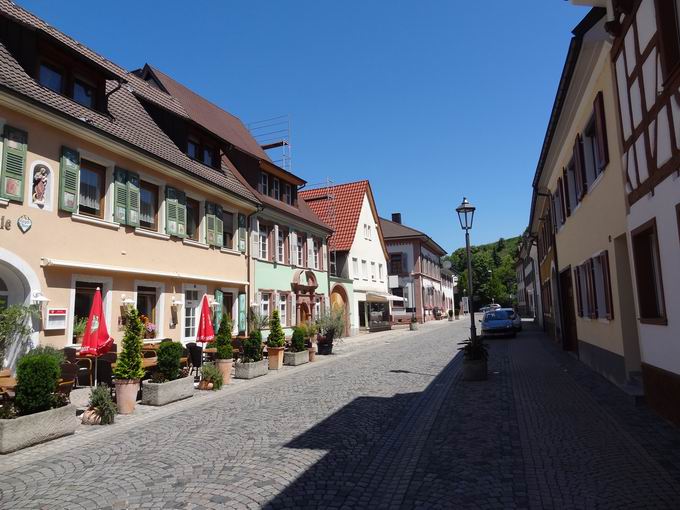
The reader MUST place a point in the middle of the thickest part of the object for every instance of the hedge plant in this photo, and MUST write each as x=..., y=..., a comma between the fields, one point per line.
x=223, y=339
x=297, y=343
x=129, y=361
x=38, y=373
x=169, y=359
x=276, y=338
x=252, y=347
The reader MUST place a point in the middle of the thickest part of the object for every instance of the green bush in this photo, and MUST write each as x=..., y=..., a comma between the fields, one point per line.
x=277, y=337
x=129, y=361
x=37, y=377
x=252, y=347
x=169, y=364
x=223, y=339
x=297, y=343
x=15, y=326
x=210, y=373
x=332, y=324
x=102, y=404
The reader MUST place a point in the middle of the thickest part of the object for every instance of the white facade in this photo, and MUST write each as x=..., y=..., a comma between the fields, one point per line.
x=367, y=264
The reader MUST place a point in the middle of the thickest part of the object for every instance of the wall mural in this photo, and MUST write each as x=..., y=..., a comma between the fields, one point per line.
x=41, y=186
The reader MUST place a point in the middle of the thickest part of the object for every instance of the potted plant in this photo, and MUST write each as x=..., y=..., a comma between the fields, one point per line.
x=251, y=364
x=129, y=370
x=225, y=352
x=457, y=313
x=331, y=326
x=211, y=377
x=101, y=409
x=79, y=325
x=475, y=355
x=38, y=413
x=450, y=314
x=275, y=342
x=168, y=383
x=298, y=354
x=413, y=325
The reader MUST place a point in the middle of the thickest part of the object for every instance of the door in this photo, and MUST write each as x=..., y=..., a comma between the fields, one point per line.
x=569, y=336
x=362, y=314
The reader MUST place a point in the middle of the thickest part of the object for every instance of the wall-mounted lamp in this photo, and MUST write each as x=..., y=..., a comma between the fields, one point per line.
x=39, y=299
x=175, y=305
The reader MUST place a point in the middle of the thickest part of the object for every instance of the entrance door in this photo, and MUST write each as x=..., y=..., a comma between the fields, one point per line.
x=569, y=337
x=362, y=314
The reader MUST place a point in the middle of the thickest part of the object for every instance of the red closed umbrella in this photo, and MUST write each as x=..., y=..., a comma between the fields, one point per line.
x=96, y=340
x=205, y=332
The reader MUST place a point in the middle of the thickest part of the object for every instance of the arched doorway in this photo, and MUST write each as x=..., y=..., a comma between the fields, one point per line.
x=304, y=313
x=339, y=299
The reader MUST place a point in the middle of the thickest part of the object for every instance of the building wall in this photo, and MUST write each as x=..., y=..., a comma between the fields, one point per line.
x=94, y=247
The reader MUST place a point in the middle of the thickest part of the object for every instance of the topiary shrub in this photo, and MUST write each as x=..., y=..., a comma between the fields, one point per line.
x=129, y=361
x=211, y=374
x=102, y=404
x=276, y=338
x=169, y=355
x=223, y=339
x=297, y=343
x=38, y=374
x=252, y=347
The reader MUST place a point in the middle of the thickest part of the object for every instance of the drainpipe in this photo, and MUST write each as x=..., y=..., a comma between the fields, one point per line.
x=328, y=266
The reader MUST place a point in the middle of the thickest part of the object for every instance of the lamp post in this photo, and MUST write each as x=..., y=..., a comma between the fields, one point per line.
x=466, y=213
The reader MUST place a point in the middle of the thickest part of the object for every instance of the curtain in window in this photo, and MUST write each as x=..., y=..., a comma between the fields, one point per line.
x=89, y=189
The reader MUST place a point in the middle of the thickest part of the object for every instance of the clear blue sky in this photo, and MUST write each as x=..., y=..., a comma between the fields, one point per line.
x=430, y=100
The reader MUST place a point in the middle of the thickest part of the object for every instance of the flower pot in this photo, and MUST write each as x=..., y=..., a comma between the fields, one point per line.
x=31, y=429
x=90, y=417
x=413, y=326
x=79, y=338
x=224, y=366
x=474, y=370
x=275, y=355
x=295, y=358
x=126, y=395
x=159, y=394
x=325, y=348
x=205, y=385
x=312, y=353
x=251, y=370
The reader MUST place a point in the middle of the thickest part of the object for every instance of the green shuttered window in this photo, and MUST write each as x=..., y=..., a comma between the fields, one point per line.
x=175, y=212
x=69, y=170
x=126, y=197
x=13, y=163
x=214, y=224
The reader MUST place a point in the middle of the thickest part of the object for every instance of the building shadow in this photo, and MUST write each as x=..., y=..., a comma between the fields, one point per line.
x=361, y=439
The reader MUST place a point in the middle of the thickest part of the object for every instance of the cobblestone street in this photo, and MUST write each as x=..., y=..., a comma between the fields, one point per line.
x=386, y=423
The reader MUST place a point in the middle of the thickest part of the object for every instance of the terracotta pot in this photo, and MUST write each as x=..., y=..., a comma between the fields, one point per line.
x=205, y=385
x=312, y=353
x=224, y=366
x=275, y=355
x=90, y=417
x=79, y=338
x=126, y=395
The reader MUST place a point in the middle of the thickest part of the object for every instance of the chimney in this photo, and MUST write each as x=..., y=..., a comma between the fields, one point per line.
x=396, y=217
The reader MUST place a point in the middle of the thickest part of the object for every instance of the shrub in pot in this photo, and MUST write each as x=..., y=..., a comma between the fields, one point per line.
x=475, y=356
x=457, y=313
x=298, y=353
x=79, y=325
x=225, y=352
x=169, y=383
x=129, y=370
x=211, y=377
x=331, y=326
x=413, y=325
x=450, y=314
x=38, y=412
x=275, y=342
x=101, y=410
x=251, y=364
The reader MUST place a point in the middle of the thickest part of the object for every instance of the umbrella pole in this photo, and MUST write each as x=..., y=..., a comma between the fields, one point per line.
x=96, y=382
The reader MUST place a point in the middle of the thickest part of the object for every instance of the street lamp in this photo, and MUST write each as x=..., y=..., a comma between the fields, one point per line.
x=466, y=214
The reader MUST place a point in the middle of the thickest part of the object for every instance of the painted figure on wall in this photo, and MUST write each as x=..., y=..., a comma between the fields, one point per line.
x=40, y=180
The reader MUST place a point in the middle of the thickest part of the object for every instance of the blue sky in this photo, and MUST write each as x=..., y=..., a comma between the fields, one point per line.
x=430, y=100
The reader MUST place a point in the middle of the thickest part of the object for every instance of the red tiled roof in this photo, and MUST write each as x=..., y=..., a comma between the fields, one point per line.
x=339, y=207
x=396, y=231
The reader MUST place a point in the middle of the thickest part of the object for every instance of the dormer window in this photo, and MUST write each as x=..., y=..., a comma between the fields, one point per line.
x=276, y=192
x=208, y=156
x=264, y=183
x=52, y=78
x=84, y=93
x=192, y=149
x=202, y=150
x=288, y=194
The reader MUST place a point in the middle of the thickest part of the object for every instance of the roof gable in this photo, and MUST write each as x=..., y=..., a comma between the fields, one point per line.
x=394, y=231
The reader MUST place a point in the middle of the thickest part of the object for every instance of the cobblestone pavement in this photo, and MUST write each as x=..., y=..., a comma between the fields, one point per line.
x=386, y=423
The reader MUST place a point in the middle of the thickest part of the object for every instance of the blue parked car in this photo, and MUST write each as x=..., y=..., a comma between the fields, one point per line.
x=498, y=323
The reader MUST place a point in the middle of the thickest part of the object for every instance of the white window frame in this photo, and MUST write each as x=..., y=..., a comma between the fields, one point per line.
x=380, y=273
x=202, y=290
x=300, y=249
x=316, y=248
x=264, y=183
x=263, y=242
x=289, y=193
x=267, y=302
x=355, y=268
x=276, y=189
x=281, y=246
x=107, y=299
x=373, y=274
x=160, y=302
x=283, y=309
x=364, y=269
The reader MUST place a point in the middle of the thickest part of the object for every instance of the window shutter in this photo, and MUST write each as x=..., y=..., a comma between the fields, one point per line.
x=120, y=193
x=293, y=311
x=293, y=248
x=579, y=171
x=601, y=132
x=310, y=251
x=563, y=207
x=181, y=213
x=604, y=259
x=324, y=257
x=579, y=297
x=254, y=238
x=242, y=308
x=69, y=173
x=171, y=211
x=133, y=199
x=219, y=226
x=565, y=199
x=210, y=223
x=13, y=163
x=242, y=233
x=592, y=295
x=276, y=244
x=553, y=210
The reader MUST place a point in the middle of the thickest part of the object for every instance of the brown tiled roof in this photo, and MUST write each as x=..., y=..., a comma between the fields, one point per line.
x=210, y=116
x=393, y=231
x=339, y=207
x=128, y=121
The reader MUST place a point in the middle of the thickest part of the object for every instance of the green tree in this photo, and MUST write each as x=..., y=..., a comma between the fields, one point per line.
x=129, y=361
x=223, y=339
x=277, y=337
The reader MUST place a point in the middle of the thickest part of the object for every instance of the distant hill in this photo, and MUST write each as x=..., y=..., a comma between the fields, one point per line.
x=493, y=269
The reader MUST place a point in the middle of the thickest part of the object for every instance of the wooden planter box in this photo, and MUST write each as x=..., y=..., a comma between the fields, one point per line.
x=251, y=370
x=37, y=428
x=296, y=358
x=159, y=394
